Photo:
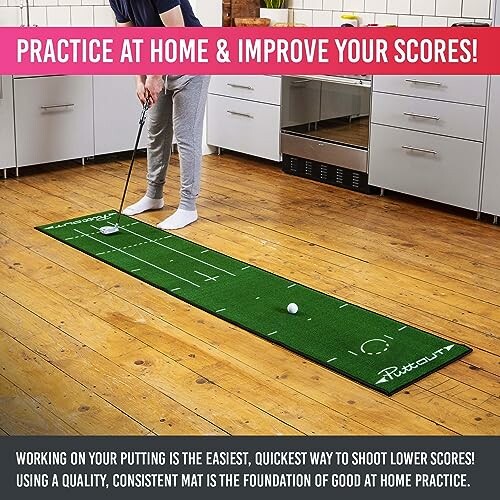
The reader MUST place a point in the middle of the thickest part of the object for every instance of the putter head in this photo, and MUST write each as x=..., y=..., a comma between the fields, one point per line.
x=107, y=230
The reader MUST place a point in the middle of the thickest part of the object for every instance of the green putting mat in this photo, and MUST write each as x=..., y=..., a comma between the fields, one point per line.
x=374, y=350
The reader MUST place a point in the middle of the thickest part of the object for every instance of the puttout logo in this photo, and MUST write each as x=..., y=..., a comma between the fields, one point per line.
x=394, y=372
x=95, y=218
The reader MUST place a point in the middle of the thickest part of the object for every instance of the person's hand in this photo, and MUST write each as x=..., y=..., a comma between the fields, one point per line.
x=153, y=86
x=141, y=89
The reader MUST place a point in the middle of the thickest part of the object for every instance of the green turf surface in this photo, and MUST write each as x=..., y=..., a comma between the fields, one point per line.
x=374, y=350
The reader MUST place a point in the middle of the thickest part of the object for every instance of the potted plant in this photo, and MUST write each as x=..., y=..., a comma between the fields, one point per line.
x=275, y=10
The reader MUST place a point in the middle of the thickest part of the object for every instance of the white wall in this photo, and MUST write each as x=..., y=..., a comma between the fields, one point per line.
x=86, y=12
x=400, y=12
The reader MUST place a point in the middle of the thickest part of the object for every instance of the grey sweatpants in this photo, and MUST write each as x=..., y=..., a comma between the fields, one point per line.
x=180, y=110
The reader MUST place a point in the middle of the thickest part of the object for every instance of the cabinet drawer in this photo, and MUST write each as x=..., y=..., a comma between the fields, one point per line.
x=439, y=168
x=437, y=117
x=258, y=88
x=53, y=118
x=116, y=131
x=7, y=144
x=491, y=178
x=463, y=89
x=244, y=126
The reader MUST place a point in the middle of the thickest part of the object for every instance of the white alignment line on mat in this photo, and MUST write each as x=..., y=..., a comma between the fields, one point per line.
x=178, y=251
x=402, y=328
x=345, y=305
x=272, y=333
x=212, y=278
x=353, y=353
x=138, y=258
x=330, y=360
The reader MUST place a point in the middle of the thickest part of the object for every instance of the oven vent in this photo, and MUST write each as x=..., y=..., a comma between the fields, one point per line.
x=329, y=174
x=309, y=168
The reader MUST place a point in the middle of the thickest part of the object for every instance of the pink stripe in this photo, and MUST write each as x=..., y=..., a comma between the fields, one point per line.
x=294, y=41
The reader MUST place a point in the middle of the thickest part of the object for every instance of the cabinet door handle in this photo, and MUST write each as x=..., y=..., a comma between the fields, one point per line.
x=57, y=106
x=424, y=82
x=1, y=88
x=419, y=150
x=299, y=82
x=236, y=86
x=246, y=115
x=427, y=117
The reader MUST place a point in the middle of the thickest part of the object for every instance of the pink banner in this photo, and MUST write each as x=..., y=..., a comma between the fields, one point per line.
x=93, y=51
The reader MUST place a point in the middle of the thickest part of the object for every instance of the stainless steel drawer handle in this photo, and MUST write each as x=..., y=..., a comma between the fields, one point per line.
x=236, y=86
x=246, y=115
x=427, y=117
x=419, y=150
x=57, y=106
x=423, y=82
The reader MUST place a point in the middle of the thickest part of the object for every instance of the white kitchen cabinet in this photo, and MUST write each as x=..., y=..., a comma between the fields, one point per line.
x=116, y=114
x=430, y=166
x=244, y=126
x=491, y=178
x=7, y=141
x=259, y=88
x=452, y=88
x=244, y=115
x=427, y=137
x=54, y=119
x=426, y=115
x=490, y=202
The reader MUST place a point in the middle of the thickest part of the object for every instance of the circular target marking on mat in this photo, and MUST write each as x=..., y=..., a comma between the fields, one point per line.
x=374, y=346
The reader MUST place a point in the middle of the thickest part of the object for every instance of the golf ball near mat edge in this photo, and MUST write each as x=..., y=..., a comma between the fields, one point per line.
x=292, y=308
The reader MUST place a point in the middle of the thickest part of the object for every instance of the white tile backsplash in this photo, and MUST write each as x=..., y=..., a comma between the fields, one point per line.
x=59, y=16
x=449, y=8
x=313, y=4
x=82, y=15
x=477, y=8
x=104, y=16
x=323, y=18
x=354, y=5
x=399, y=6
x=401, y=12
x=376, y=6
x=309, y=12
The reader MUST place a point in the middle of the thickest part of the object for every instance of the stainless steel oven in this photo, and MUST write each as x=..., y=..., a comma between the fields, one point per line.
x=325, y=122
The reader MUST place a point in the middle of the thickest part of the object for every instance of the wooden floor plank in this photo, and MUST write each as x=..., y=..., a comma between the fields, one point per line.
x=306, y=415
x=465, y=416
x=436, y=270
x=21, y=414
x=150, y=407
x=423, y=298
x=174, y=380
x=72, y=402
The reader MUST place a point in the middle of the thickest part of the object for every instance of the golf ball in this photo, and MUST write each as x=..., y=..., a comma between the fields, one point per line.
x=292, y=308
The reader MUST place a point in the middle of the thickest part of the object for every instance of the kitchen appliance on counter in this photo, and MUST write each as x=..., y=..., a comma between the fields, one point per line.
x=325, y=128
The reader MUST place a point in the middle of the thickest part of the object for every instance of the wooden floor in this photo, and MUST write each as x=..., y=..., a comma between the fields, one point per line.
x=86, y=349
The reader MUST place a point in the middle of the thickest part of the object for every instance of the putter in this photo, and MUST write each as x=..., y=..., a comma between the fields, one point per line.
x=107, y=230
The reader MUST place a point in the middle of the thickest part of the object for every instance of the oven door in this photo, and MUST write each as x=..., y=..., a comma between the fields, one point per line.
x=327, y=119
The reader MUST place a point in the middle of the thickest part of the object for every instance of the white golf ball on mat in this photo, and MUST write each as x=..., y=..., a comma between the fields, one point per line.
x=292, y=308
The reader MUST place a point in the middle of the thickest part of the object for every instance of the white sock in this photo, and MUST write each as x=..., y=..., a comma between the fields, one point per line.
x=144, y=204
x=179, y=219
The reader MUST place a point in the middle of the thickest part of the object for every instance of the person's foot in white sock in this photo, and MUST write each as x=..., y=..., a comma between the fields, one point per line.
x=179, y=219
x=143, y=205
